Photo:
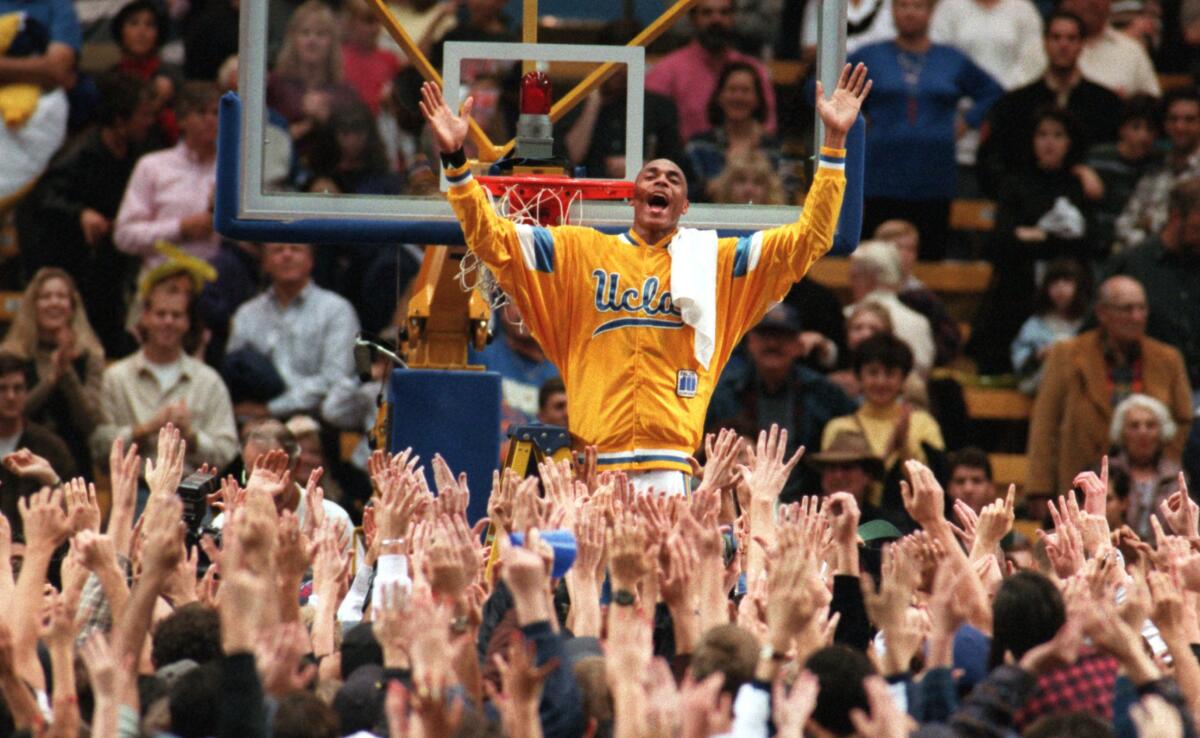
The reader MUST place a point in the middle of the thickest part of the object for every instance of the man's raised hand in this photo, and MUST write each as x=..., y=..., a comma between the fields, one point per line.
x=449, y=130
x=25, y=463
x=840, y=110
x=165, y=472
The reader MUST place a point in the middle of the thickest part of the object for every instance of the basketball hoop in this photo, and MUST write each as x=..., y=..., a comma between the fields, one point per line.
x=534, y=199
x=547, y=200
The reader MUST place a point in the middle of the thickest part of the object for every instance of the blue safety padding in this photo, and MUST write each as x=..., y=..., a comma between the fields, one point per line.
x=454, y=413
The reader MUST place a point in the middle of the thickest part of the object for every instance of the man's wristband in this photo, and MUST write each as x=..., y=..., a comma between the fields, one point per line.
x=454, y=159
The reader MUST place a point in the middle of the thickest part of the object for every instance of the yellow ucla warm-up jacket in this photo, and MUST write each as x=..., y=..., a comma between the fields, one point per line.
x=600, y=306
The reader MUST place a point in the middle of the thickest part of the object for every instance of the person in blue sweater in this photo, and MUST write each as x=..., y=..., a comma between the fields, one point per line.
x=913, y=122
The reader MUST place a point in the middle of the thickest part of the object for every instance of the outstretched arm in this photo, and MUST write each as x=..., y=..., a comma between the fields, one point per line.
x=526, y=260
x=449, y=130
x=849, y=227
x=840, y=110
x=766, y=264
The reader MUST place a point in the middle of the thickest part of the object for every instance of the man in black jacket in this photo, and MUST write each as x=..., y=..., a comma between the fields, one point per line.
x=67, y=221
x=1008, y=133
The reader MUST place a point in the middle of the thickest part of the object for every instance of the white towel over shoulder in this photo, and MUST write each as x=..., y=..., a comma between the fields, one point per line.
x=694, y=286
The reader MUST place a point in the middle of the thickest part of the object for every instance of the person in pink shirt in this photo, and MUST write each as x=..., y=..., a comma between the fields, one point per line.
x=169, y=196
x=689, y=75
x=367, y=68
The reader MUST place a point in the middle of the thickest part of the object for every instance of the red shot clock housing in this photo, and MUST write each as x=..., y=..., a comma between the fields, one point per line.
x=536, y=94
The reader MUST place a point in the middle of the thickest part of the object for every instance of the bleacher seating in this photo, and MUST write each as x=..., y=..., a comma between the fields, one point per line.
x=1008, y=469
x=985, y=403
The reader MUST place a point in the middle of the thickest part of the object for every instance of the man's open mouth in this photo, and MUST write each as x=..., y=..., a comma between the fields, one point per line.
x=658, y=202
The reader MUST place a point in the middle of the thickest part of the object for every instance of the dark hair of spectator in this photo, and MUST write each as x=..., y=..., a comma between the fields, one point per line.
x=840, y=671
x=729, y=649
x=885, y=349
x=971, y=457
x=1075, y=150
x=716, y=116
x=304, y=715
x=194, y=702
x=1142, y=107
x=1067, y=269
x=1187, y=93
x=1026, y=612
x=1185, y=196
x=593, y=687
x=191, y=632
x=1070, y=725
x=1065, y=15
x=11, y=364
x=550, y=388
x=128, y=10
x=194, y=96
x=326, y=156
x=120, y=95
x=272, y=434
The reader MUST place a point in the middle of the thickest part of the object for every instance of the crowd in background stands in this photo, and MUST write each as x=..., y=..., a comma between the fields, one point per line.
x=842, y=594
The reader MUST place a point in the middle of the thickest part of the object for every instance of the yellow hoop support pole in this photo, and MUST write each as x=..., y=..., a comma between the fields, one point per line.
x=529, y=31
x=598, y=75
x=487, y=149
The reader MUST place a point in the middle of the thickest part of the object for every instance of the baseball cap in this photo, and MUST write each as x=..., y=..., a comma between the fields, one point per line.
x=781, y=317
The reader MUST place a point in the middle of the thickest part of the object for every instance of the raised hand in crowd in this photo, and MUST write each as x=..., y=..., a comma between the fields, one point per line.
x=1181, y=512
x=994, y=523
x=521, y=683
x=165, y=471
x=25, y=463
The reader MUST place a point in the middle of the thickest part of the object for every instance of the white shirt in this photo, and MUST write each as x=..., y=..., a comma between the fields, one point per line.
x=166, y=374
x=310, y=341
x=8, y=444
x=1119, y=63
x=1004, y=39
x=867, y=22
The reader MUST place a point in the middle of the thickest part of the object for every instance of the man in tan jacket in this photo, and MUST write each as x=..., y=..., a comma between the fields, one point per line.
x=1088, y=375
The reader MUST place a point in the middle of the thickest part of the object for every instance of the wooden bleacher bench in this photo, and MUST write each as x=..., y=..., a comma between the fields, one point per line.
x=1170, y=82
x=985, y=403
x=944, y=277
x=955, y=277
x=972, y=215
x=1008, y=469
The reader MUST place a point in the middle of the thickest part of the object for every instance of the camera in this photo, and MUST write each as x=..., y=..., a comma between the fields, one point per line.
x=194, y=491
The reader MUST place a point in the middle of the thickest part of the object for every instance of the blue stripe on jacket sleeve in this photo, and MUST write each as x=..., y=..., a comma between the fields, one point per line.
x=543, y=250
x=849, y=228
x=741, y=257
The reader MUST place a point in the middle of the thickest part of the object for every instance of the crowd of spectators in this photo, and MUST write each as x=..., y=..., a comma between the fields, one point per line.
x=843, y=566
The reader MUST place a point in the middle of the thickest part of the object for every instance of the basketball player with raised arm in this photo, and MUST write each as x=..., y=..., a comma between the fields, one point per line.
x=641, y=324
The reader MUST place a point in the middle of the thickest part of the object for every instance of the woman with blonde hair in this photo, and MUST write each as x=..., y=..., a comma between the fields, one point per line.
x=748, y=179
x=52, y=334
x=307, y=83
